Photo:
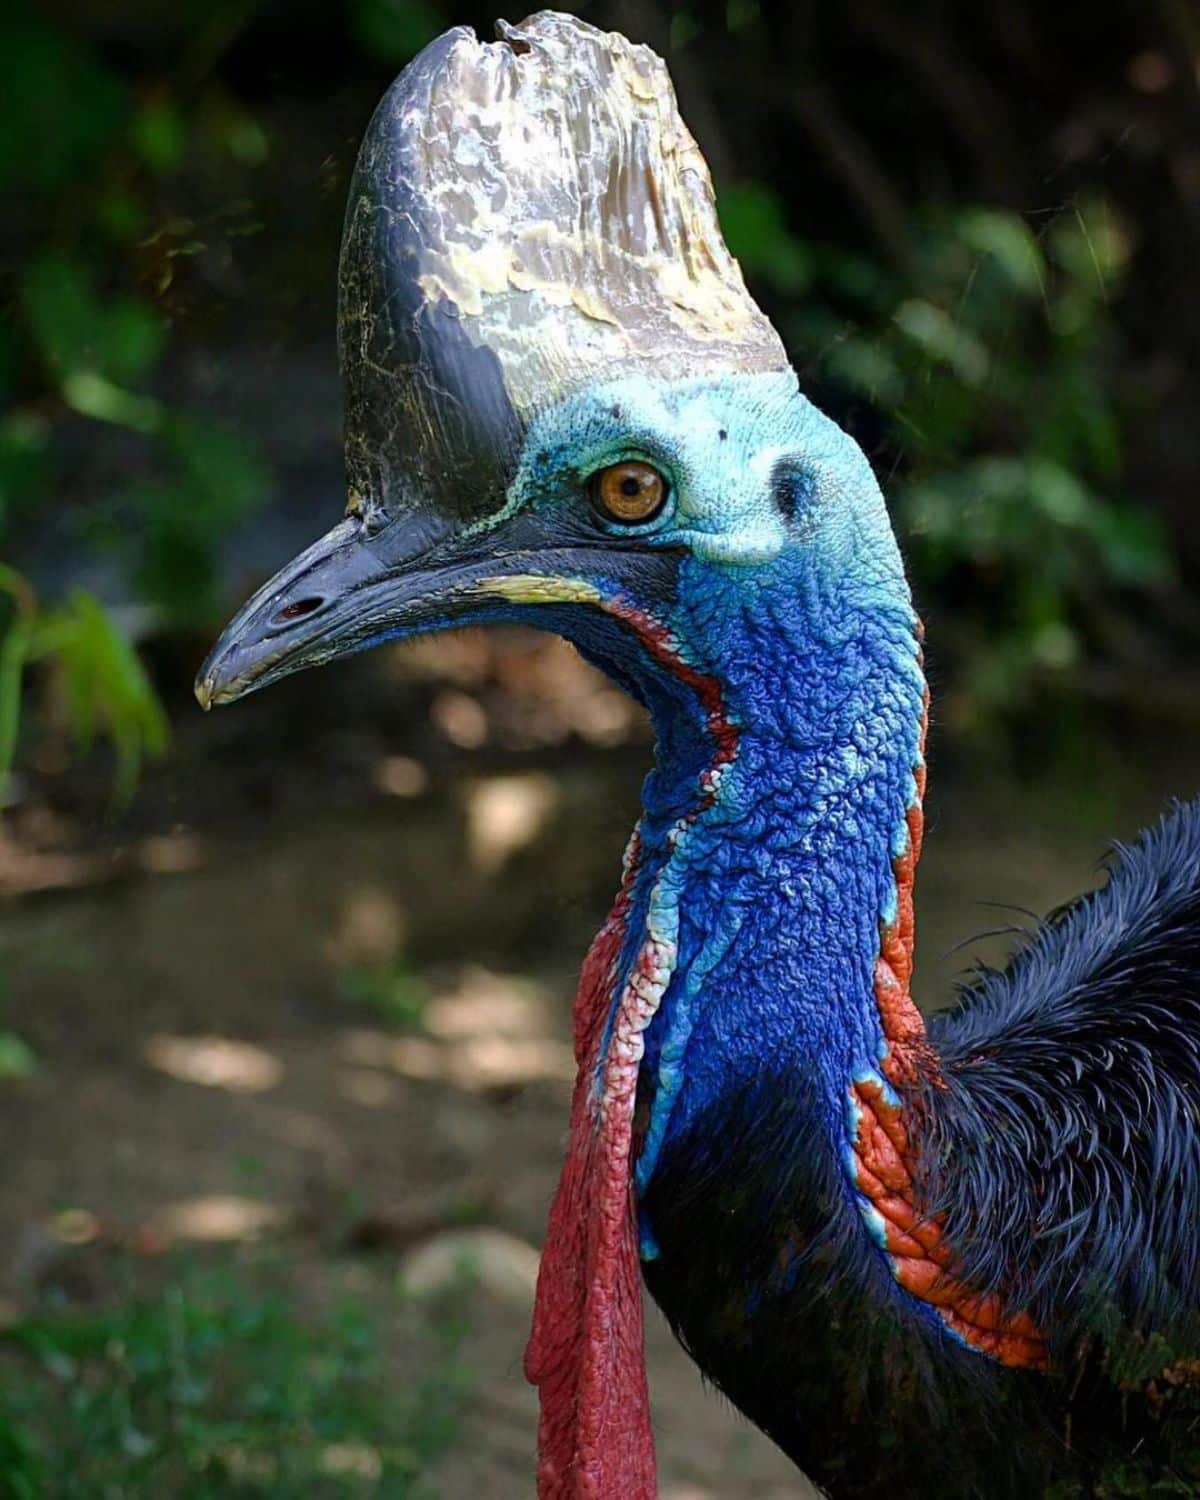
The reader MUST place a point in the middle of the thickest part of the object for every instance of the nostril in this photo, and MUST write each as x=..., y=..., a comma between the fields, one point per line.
x=298, y=610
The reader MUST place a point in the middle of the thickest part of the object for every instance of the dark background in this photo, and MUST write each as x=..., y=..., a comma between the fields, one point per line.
x=286, y=989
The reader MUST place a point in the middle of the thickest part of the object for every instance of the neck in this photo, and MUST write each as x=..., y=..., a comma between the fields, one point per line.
x=787, y=894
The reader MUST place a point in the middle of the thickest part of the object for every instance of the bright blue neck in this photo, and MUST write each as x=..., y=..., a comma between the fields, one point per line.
x=775, y=893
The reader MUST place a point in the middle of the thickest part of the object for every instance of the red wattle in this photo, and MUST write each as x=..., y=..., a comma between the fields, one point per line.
x=585, y=1353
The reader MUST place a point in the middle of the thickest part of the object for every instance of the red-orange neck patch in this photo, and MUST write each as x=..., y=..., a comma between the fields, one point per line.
x=883, y=1156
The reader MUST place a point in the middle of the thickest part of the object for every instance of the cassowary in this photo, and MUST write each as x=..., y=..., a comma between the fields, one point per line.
x=957, y=1259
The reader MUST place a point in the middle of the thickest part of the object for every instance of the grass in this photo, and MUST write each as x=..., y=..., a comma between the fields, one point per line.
x=391, y=991
x=215, y=1384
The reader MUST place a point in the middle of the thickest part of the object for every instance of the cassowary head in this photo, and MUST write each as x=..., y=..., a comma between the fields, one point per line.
x=562, y=405
x=564, y=408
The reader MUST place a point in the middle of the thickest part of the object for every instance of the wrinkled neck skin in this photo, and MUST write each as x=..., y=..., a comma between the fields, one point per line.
x=773, y=890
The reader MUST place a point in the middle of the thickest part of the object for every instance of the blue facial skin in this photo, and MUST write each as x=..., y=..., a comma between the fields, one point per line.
x=792, y=595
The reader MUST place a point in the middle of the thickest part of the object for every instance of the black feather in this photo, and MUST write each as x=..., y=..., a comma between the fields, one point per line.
x=1061, y=1149
x=1064, y=1148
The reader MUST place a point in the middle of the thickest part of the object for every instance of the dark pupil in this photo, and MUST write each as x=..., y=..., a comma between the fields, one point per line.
x=631, y=486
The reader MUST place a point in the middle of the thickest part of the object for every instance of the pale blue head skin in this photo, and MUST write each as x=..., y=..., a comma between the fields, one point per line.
x=722, y=443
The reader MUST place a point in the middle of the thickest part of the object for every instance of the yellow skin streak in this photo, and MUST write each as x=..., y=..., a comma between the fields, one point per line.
x=533, y=588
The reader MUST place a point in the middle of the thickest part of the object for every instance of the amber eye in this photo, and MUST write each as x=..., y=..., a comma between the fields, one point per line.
x=628, y=492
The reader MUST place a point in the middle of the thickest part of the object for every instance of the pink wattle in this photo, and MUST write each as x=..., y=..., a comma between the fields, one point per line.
x=585, y=1352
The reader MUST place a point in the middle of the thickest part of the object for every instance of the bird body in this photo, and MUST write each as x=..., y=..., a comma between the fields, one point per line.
x=954, y=1260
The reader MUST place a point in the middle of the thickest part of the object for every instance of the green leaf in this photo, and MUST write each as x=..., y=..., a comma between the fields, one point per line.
x=91, y=395
x=17, y=1059
x=752, y=217
x=1089, y=242
x=1009, y=241
x=1133, y=545
x=74, y=330
x=15, y=645
x=1055, y=646
x=62, y=106
x=943, y=340
x=394, y=30
x=1057, y=493
x=391, y=989
x=121, y=216
x=865, y=365
x=62, y=314
x=245, y=139
x=160, y=136
x=133, y=338
x=105, y=687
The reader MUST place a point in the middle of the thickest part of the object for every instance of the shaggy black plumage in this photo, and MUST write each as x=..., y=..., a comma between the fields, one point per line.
x=1061, y=1147
x=1064, y=1150
x=767, y=1278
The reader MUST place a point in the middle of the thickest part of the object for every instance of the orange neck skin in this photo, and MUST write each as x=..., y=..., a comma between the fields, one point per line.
x=884, y=1158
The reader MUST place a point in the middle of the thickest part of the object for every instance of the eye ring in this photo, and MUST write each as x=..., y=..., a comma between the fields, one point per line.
x=630, y=493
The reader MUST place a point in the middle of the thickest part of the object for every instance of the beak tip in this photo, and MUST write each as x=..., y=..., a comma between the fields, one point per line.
x=203, y=688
